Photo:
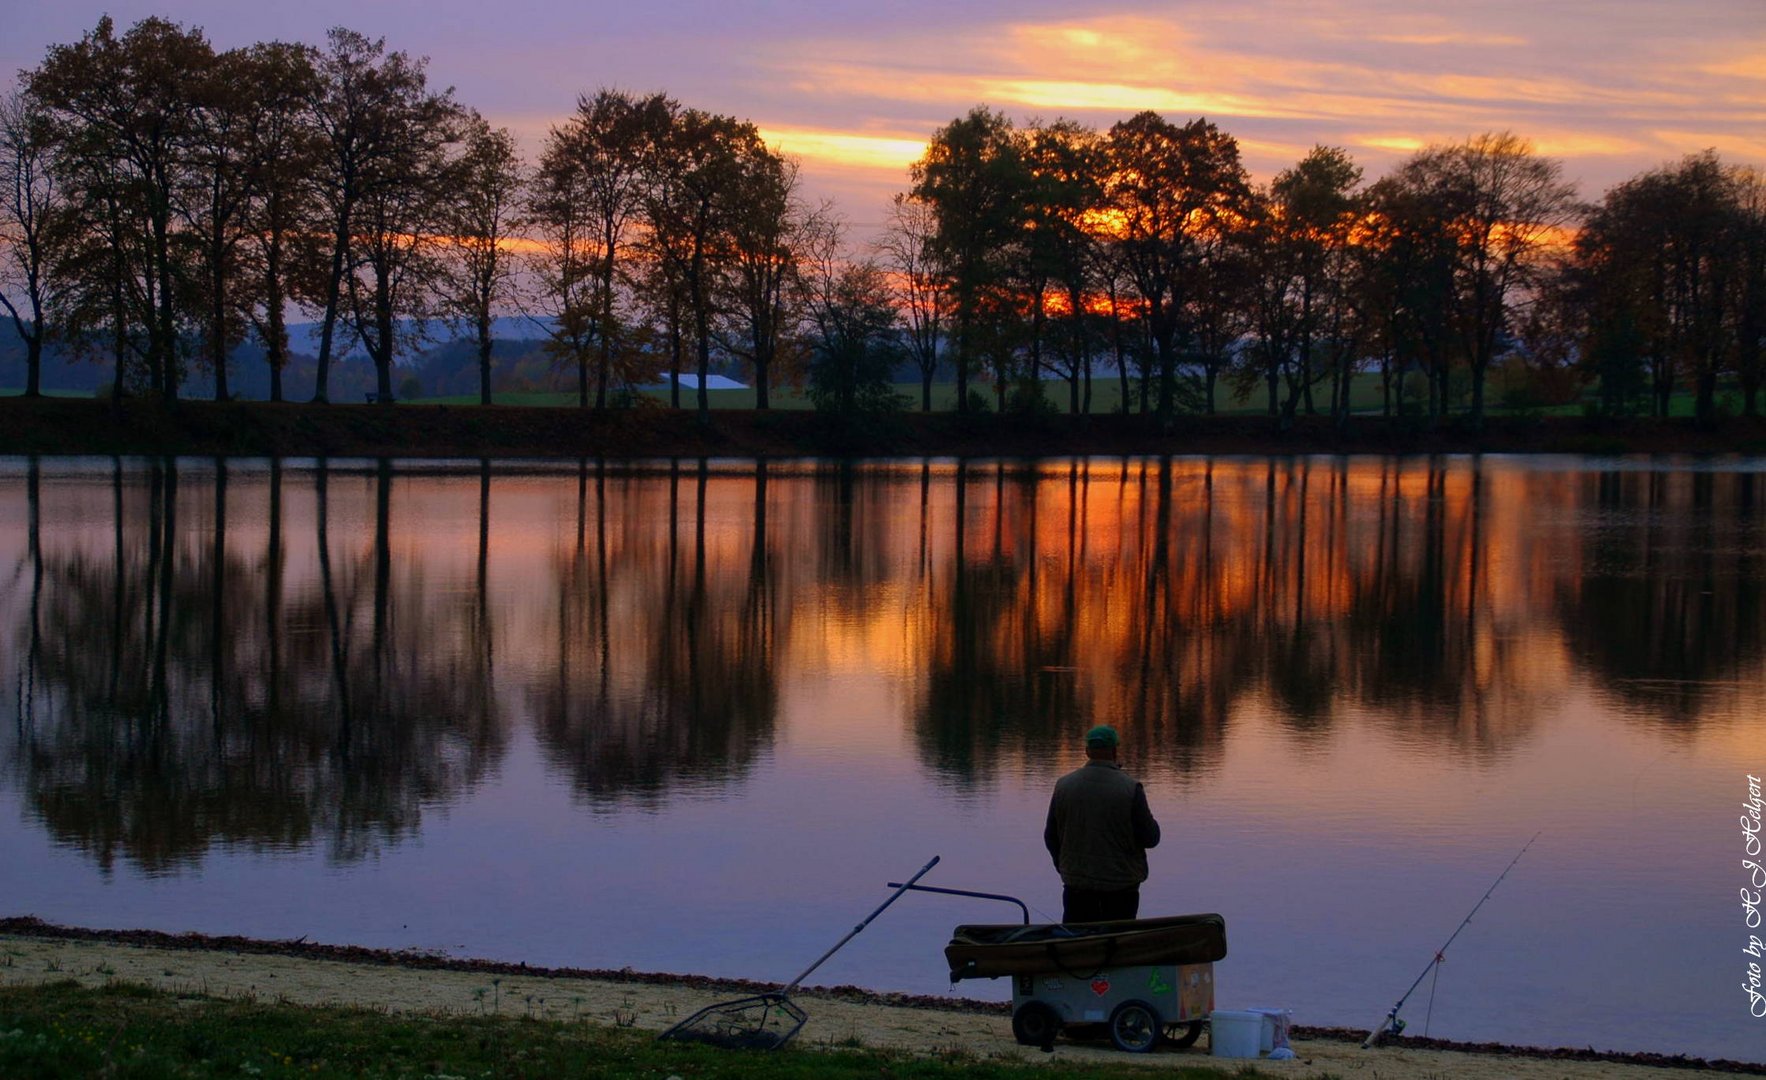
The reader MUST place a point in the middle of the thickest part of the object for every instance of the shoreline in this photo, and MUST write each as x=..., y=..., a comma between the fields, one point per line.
x=260, y=429
x=1335, y=1041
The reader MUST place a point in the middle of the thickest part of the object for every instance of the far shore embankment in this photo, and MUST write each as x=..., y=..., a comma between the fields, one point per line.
x=140, y=427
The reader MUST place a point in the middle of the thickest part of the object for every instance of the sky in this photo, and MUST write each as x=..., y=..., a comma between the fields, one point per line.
x=854, y=89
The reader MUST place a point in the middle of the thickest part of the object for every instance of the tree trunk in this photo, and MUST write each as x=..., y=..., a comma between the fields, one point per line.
x=275, y=351
x=218, y=324
x=34, y=364
x=328, y=324
x=484, y=357
x=383, y=327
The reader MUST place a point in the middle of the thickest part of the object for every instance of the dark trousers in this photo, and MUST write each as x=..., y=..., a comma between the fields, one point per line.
x=1095, y=905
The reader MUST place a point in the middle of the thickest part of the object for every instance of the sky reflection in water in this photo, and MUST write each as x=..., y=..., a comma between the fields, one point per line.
x=691, y=717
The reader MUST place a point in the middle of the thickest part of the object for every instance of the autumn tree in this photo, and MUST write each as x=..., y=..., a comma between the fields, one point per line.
x=766, y=233
x=1749, y=285
x=591, y=188
x=695, y=179
x=1506, y=208
x=1300, y=238
x=120, y=116
x=972, y=176
x=1168, y=187
x=1065, y=197
x=1410, y=255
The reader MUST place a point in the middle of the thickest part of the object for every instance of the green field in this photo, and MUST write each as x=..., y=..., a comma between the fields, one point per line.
x=1106, y=397
x=65, y=1030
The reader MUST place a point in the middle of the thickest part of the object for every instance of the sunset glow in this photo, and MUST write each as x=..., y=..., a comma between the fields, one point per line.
x=854, y=94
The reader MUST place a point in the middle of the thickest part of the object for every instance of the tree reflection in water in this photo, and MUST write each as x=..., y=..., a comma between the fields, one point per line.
x=283, y=656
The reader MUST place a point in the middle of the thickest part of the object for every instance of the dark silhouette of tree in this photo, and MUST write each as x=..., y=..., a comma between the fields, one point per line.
x=1169, y=186
x=854, y=328
x=30, y=204
x=481, y=218
x=907, y=244
x=692, y=200
x=122, y=111
x=767, y=231
x=587, y=200
x=1503, y=205
x=973, y=178
x=1304, y=322
x=282, y=151
x=1664, y=258
x=379, y=130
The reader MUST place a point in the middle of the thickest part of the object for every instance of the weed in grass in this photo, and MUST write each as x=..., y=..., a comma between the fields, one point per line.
x=52, y=965
x=104, y=968
x=478, y=997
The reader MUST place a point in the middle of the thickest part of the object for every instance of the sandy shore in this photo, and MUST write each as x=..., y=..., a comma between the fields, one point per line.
x=654, y=1003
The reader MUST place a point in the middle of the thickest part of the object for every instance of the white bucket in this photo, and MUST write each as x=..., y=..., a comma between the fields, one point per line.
x=1234, y=1034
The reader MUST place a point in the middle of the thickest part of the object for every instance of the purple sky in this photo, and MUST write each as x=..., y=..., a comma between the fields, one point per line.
x=853, y=89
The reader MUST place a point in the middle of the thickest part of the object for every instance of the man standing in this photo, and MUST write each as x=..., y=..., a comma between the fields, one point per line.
x=1098, y=833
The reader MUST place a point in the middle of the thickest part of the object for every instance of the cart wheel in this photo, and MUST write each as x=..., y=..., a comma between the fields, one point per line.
x=1134, y=1027
x=1036, y=1023
x=1182, y=1035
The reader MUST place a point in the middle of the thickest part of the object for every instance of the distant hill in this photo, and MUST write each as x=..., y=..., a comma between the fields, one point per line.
x=448, y=367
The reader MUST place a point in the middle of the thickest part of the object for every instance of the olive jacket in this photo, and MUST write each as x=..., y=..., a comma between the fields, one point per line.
x=1099, y=828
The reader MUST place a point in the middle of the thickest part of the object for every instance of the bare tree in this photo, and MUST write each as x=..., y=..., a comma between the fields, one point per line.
x=907, y=244
x=399, y=214
x=29, y=204
x=482, y=219
x=364, y=105
x=282, y=155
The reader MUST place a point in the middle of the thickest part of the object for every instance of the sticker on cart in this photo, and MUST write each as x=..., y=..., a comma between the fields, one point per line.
x=1156, y=982
x=1100, y=986
x=1051, y=983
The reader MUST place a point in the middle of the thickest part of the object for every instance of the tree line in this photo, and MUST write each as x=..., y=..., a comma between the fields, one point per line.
x=1146, y=249
x=165, y=202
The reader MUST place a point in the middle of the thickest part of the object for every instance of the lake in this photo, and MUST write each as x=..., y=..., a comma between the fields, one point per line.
x=692, y=716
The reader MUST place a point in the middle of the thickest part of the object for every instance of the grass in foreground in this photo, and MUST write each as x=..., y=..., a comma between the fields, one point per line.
x=66, y=1030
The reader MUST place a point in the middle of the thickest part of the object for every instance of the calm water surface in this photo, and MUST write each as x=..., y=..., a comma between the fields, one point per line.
x=692, y=716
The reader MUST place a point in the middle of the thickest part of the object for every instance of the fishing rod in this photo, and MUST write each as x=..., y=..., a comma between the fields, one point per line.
x=1391, y=1022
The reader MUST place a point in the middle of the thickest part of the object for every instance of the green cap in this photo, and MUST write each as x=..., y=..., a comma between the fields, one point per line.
x=1102, y=735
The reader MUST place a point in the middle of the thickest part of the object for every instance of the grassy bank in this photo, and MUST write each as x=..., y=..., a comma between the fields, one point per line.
x=69, y=426
x=67, y=1030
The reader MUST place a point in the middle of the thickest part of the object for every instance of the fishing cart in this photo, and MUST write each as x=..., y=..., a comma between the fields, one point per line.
x=1144, y=980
